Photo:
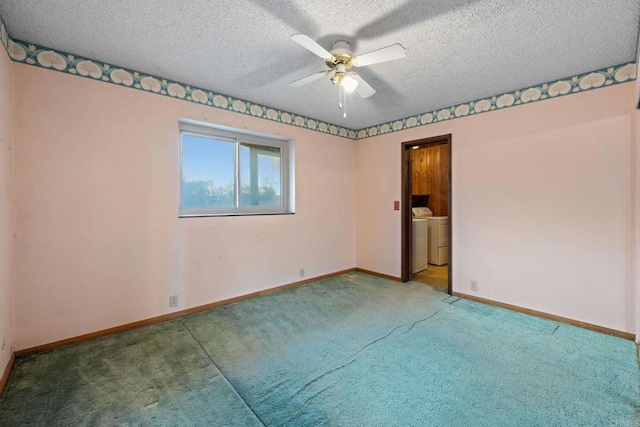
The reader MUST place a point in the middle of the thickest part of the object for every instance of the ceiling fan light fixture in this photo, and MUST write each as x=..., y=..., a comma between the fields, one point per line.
x=349, y=83
x=344, y=80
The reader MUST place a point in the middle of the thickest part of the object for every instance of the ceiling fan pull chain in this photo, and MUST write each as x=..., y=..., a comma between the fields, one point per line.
x=344, y=103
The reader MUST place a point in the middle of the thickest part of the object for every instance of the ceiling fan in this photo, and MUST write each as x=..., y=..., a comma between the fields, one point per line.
x=341, y=60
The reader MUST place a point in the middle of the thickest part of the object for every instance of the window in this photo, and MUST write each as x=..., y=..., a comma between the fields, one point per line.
x=228, y=172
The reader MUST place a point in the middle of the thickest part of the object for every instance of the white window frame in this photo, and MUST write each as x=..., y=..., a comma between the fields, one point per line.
x=238, y=137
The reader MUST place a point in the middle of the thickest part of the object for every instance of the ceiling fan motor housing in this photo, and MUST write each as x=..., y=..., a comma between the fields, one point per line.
x=343, y=55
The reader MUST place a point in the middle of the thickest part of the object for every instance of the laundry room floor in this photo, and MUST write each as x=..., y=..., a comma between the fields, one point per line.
x=435, y=276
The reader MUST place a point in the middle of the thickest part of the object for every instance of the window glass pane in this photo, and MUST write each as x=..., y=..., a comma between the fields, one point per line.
x=260, y=175
x=207, y=172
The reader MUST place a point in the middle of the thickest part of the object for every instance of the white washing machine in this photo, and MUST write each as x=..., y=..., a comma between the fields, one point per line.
x=420, y=239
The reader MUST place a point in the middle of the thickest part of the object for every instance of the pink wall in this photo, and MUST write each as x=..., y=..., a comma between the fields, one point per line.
x=541, y=205
x=6, y=210
x=99, y=242
x=635, y=140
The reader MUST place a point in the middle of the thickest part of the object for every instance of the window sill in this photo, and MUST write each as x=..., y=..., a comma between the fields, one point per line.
x=234, y=214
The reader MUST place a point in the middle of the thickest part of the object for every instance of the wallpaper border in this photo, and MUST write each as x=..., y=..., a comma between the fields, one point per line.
x=597, y=79
x=69, y=63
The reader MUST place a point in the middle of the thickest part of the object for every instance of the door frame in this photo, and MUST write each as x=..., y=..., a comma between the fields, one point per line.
x=406, y=203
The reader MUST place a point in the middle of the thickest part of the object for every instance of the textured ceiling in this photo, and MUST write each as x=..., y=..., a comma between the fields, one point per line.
x=457, y=50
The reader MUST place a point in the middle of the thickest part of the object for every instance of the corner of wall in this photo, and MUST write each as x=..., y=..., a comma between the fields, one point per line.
x=635, y=201
x=635, y=212
x=7, y=206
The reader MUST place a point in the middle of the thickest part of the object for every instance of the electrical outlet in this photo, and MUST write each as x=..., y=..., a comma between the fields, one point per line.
x=474, y=285
x=173, y=301
x=302, y=272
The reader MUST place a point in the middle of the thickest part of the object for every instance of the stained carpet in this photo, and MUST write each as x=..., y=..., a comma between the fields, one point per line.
x=352, y=350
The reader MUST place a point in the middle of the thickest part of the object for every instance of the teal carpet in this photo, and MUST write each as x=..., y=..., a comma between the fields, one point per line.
x=352, y=350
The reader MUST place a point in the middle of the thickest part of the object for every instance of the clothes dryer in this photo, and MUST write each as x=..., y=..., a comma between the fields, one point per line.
x=420, y=245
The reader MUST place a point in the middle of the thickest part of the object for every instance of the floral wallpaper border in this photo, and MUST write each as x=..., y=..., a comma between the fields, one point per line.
x=44, y=57
x=580, y=83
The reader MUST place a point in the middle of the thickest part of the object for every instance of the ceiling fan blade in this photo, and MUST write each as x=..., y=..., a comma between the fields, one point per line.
x=313, y=77
x=363, y=89
x=389, y=53
x=311, y=45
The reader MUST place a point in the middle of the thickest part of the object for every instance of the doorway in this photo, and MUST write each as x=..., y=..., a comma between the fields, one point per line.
x=426, y=188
